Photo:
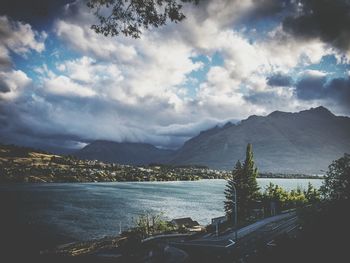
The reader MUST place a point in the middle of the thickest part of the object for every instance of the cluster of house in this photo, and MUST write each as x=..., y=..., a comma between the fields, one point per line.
x=193, y=226
x=188, y=224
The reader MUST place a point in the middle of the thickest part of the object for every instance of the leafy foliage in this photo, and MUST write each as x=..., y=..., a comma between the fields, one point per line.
x=286, y=200
x=336, y=185
x=312, y=194
x=149, y=223
x=243, y=179
x=129, y=16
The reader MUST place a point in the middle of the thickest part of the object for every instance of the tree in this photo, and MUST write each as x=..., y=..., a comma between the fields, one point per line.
x=251, y=172
x=286, y=200
x=232, y=182
x=296, y=198
x=151, y=223
x=244, y=179
x=312, y=194
x=277, y=195
x=336, y=185
x=129, y=16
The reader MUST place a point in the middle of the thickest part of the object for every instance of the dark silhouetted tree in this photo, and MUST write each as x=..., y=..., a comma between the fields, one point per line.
x=312, y=194
x=130, y=16
x=250, y=172
x=244, y=178
x=336, y=185
x=232, y=182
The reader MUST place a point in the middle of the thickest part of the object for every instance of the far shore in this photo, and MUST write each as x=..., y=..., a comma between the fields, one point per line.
x=41, y=181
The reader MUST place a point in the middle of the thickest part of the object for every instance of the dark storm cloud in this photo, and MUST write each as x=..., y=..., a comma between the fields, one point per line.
x=36, y=12
x=279, y=80
x=260, y=98
x=340, y=89
x=269, y=97
x=328, y=20
x=41, y=124
x=265, y=8
x=262, y=9
x=23, y=123
x=4, y=88
x=4, y=62
x=337, y=90
x=311, y=87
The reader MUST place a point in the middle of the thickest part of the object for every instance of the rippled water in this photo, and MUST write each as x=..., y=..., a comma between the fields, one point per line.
x=70, y=212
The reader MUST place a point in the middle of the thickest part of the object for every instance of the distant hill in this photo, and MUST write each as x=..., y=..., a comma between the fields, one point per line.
x=303, y=142
x=22, y=164
x=124, y=153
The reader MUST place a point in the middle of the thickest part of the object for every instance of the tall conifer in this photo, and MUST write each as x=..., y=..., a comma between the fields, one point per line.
x=244, y=179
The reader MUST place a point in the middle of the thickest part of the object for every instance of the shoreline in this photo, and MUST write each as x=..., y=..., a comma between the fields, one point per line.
x=148, y=181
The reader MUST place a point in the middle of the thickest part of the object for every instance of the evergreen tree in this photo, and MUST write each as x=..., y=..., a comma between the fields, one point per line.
x=248, y=189
x=312, y=194
x=250, y=173
x=244, y=179
x=229, y=191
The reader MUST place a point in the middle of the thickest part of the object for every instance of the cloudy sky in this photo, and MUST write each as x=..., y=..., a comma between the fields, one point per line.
x=62, y=85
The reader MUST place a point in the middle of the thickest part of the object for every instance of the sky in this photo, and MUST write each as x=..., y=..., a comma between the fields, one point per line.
x=63, y=86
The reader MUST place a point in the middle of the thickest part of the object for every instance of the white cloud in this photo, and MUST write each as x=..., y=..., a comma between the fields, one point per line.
x=62, y=85
x=19, y=38
x=148, y=76
x=313, y=73
x=12, y=83
x=284, y=51
x=136, y=90
x=84, y=40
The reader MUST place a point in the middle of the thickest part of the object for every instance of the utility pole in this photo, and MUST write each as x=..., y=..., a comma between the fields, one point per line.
x=235, y=210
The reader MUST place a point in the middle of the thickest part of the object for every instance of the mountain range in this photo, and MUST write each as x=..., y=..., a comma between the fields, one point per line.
x=303, y=142
x=124, y=153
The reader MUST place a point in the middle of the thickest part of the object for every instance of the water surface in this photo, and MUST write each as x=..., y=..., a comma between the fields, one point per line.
x=65, y=212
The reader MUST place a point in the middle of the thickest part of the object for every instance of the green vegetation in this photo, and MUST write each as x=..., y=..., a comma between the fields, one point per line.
x=244, y=179
x=289, y=176
x=129, y=17
x=230, y=191
x=285, y=200
x=336, y=185
x=149, y=224
x=322, y=213
x=324, y=224
x=272, y=200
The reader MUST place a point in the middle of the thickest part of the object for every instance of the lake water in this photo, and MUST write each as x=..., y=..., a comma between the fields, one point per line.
x=58, y=213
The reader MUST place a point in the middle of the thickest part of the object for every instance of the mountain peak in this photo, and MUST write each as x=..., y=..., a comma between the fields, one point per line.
x=277, y=114
x=320, y=111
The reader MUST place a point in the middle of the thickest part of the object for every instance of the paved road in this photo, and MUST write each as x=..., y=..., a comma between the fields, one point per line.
x=228, y=239
x=249, y=239
x=262, y=223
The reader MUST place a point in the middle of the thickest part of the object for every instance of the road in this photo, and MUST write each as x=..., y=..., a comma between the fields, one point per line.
x=209, y=247
x=250, y=238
